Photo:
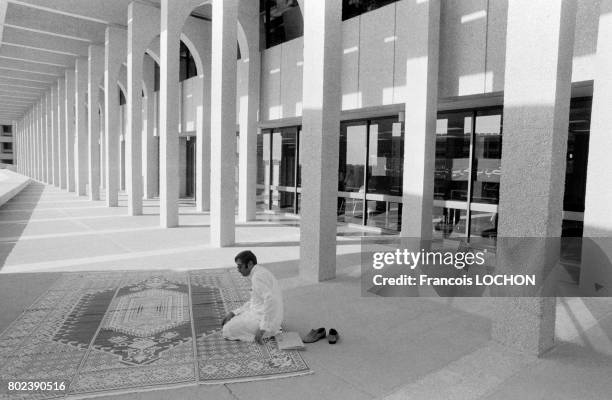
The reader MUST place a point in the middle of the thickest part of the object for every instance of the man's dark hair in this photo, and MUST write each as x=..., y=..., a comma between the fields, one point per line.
x=246, y=256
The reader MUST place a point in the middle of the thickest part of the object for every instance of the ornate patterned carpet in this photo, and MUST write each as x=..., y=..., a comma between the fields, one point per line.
x=125, y=331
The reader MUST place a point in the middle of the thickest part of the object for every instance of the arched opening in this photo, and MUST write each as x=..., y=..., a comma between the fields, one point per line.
x=280, y=21
x=190, y=85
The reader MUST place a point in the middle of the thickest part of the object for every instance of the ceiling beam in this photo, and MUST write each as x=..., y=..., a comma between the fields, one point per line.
x=36, y=40
x=36, y=55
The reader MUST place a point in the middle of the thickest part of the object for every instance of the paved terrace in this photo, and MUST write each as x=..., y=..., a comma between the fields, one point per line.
x=400, y=348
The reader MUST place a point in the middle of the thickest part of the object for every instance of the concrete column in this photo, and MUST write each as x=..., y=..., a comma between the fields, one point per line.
x=143, y=27
x=249, y=108
x=598, y=197
x=223, y=123
x=81, y=137
x=171, y=26
x=115, y=54
x=320, y=128
x=36, y=142
x=199, y=32
x=537, y=89
x=69, y=119
x=102, y=141
x=48, y=116
x=150, y=164
x=30, y=145
x=41, y=142
x=20, y=147
x=96, y=74
x=420, y=58
x=55, y=145
x=43, y=135
x=61, y=127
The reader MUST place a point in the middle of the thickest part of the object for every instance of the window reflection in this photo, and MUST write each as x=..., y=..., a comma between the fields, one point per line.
x=452, y=170
x=385, y=157
x=353, y=8
x=577, y=154
x=351, y=167
x=281, y=21
x=487, y=157
x=351, y=172
x=449, y=223
x=283, y=169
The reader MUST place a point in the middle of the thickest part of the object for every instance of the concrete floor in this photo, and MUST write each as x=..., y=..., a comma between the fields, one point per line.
x=398, y=348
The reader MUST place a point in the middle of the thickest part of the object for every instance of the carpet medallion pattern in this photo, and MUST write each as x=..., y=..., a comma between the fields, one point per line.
x=122, y=331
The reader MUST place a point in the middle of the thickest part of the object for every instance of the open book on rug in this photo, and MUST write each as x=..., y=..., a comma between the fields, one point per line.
x=289, y=341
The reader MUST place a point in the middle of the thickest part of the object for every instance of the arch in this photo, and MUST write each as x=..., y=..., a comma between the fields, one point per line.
x=243, y=42
x=122, y=80
x=195, y=53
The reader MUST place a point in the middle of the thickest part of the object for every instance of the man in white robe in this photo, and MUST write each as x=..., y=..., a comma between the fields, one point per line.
x=262, y=315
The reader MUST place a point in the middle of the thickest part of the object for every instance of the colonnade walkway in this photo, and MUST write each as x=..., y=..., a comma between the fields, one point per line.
x=400, y=348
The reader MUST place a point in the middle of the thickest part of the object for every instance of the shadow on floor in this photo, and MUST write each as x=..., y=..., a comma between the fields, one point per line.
x=32, y=192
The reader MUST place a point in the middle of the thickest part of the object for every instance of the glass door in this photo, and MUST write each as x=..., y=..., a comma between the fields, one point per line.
x=284, y=152
x=351, y=172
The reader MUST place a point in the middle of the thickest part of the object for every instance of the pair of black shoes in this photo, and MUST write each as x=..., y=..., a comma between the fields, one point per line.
x=318, y=334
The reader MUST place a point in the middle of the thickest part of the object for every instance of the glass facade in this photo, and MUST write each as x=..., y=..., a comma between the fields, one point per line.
x=353, y=8
x=467, y=173
x=466, y=177
x=277, y=154
x=281, y=21
x=370, y=173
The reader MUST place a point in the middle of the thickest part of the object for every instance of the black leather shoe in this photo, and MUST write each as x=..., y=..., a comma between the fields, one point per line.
x=333, y=336
x=314, y=335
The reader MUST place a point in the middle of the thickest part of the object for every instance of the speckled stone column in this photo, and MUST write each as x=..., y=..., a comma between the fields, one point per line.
x=48, y=117
x=223, y=123
x=61, y=131
x=249, y=108
x=81, y=137
x=150, y=163
x=70, y=128
x=114, y=56
x=421, y=97
x=96, y=74
x=539, y=51
x=598, y=197
x=55, y=149
x=143, y=26
x=320, y=130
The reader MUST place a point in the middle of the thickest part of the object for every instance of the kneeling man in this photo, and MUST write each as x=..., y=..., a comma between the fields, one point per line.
x=262, y=315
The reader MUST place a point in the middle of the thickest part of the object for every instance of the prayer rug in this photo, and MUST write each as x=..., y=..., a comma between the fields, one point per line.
x=103, y=332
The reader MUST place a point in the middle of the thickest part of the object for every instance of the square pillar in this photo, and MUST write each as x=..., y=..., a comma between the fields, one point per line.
x=81, y=134
x=69, y=119
x=598, y=196
x=150, y=164
x=55, y=147
x=48, y=118
x=61, y=131
x=420, y=60
x=115, y=54
x=171, y=24
x=95, y=76
x=141, y=31
x=249, y=110
x=537, y=90
x=320, y=130
x=37, y=143
x=223, y=122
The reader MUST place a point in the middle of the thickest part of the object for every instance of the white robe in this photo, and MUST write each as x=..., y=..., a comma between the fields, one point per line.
x=263, y=311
